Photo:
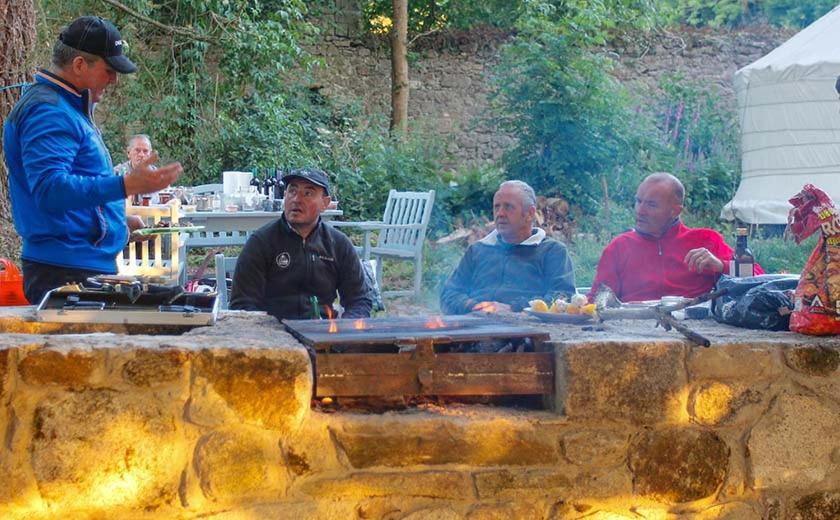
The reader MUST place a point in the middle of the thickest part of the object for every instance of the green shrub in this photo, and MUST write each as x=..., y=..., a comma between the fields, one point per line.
x=796, y=13
x=570, y=116
x=789, y=13
x=698, y=142
x=776, y=255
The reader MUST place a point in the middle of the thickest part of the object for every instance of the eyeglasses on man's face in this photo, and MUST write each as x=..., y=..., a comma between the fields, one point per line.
x=306, y=192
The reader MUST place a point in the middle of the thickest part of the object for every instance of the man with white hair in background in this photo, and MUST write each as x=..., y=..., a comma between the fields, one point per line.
x=138, y=150
x=515, y=263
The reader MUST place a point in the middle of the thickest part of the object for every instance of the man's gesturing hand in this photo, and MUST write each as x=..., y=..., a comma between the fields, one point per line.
x=701, y=259
x=144, y=179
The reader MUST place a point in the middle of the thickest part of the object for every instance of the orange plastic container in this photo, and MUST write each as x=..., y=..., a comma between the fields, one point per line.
x=11, y=285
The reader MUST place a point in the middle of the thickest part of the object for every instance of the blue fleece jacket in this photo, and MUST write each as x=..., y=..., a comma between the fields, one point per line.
x=67, y=204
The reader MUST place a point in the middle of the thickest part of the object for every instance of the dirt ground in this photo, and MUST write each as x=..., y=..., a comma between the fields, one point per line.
x=408, y=306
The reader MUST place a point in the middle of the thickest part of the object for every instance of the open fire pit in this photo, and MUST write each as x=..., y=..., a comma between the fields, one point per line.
x=438, y=355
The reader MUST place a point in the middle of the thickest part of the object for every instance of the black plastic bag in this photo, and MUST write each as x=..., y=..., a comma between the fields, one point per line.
x=756, y=302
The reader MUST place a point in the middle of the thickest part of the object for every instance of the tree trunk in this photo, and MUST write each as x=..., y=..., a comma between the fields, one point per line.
x=17, y=38
x=399, y=68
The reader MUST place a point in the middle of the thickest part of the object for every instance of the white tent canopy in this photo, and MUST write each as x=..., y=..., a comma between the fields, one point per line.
x=790, y=124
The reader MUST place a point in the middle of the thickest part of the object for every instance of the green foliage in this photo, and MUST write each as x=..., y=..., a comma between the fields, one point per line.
x=430, y=15
x=239, y=102
x=216, y=97
x=777, y=255
x=796, y=13
x=717, y=13
x=704, y=12
x=469, y=196
x=698, y=142
x=573, y=121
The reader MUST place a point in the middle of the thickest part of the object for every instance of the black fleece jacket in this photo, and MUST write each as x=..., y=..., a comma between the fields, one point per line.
x=278, y=272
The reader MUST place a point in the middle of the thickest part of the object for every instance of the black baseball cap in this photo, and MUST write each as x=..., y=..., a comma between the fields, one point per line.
x=96, y=35
x=313, y=175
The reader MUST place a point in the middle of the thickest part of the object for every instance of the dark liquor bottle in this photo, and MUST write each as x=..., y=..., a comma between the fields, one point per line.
x=743, y=261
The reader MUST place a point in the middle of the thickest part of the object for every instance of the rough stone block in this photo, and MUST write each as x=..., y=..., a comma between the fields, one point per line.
x=99, y=449
x=506, y=511
x=430, y=484
x=268, y=388
x=236, y=466
x=635, y=382
x=311, y=449
x=604, y=482
x=45, y=366
x=678, y=464
x=154, y=367
x=431, y=440
x=503, y=482
x=207, y=408
x=4, y=371
x=728, y=511
x=714, y=403
x=596, y=447
x=792, y=445
x=305, y=510
x=813, y=360
x=741, y=362
x=395, y=507
x=816, y=506
x=436, y=513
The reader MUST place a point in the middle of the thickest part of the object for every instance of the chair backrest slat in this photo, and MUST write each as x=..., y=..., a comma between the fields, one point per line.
x=407, y=207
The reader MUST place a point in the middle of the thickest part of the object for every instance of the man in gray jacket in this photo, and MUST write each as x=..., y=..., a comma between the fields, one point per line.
x=513, y=264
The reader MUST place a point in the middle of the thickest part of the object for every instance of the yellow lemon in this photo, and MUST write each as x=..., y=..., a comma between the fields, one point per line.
x=589, y=308
x=538, y=305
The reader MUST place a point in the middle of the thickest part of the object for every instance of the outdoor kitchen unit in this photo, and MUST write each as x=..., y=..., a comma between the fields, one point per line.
x=437, y=355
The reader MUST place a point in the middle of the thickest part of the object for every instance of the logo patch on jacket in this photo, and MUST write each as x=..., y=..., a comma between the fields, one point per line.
x=283, y=260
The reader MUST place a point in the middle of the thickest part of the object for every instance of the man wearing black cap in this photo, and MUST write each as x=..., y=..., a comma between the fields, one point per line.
x=67, y=204
x=297, y=257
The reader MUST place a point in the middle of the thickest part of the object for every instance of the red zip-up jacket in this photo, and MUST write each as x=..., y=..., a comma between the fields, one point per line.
x=638, y=267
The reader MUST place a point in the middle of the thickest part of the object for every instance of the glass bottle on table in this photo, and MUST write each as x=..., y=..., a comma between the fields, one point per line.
x=743, y=262
x=315, y=311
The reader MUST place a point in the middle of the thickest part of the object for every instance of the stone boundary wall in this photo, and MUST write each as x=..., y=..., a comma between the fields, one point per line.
x=216, y=424
x=450, y=75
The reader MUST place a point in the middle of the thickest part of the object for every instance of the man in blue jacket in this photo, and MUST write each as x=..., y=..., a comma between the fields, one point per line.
x=513, y=264
x=67, y=204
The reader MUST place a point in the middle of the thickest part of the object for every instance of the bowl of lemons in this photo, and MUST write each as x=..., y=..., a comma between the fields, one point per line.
x=576, y=310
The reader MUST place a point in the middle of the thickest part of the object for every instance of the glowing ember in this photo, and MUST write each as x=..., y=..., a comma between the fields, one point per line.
x=359, y=325
x=435, y=322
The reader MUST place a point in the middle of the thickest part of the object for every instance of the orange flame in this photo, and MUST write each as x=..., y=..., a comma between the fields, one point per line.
x=333, y=325
x=359, y=325
x=435, y=322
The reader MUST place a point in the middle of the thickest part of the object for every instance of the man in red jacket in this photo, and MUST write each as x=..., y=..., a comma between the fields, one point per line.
x=662, y=256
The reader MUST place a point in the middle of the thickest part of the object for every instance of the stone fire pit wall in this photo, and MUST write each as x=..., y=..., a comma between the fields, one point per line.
x=216, y=423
